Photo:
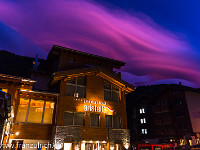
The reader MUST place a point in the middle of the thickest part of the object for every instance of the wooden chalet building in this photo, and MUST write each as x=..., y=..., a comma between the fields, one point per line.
x=78, y=103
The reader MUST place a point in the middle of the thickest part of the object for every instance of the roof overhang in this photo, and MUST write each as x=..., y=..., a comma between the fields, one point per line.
x=67, y=75
x=57, y=50
x=16, y=79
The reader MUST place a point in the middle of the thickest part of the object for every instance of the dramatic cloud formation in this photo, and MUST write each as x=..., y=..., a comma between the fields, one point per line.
x=147, y=48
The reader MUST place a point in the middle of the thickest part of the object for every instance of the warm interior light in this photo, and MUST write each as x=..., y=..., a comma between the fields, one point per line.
x=126, y=146
x=90, y=141
x=17, y=133
x=67, y=146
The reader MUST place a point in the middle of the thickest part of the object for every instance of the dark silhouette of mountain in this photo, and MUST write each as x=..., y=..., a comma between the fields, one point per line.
x=17, y=65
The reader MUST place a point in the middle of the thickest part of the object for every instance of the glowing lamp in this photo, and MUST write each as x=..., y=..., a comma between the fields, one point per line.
x=17, y=133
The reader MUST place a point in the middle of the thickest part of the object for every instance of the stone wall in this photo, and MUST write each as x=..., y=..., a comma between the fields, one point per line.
x=73, y=134
x=67, y=134
x=119, y=136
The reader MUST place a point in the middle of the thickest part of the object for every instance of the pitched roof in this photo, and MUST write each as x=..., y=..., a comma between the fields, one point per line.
x=98, y=71
x=80, y=53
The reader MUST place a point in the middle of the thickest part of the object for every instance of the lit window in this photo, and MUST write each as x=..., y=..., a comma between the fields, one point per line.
x=143, y=120
x=76, y=87
x=144, y=131
x=74, y=118
x=48, y=114
x=35, y=111
x=111, y=92
x=142, y=111
x=112, y=121
x=22, y=110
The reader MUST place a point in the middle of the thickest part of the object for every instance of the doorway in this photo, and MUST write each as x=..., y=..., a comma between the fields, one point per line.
x=68, y=146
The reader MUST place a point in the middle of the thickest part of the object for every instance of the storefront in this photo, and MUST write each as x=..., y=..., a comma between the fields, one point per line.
x=91, y=122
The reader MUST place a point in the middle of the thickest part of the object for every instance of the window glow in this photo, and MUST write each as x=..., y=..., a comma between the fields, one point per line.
x=144, y=131
x=22, y=110
x=48, y=114
x=67, y=146
x=143, y=120
x=142, y=111
x=33, y=111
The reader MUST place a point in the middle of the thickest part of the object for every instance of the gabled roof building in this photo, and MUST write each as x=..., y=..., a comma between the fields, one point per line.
x=76, y=102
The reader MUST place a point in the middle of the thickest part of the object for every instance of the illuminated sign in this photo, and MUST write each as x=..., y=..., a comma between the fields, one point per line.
x=94, y=106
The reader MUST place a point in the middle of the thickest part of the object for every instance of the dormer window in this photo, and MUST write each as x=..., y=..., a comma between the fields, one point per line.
x=76, y=87
x=111, y=92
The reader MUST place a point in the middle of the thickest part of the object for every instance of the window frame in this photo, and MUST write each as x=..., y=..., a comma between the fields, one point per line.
x=144, y=131
x=142, y=111
x=73, y=119
x=143, y=120
x=98, y=119
x=113, y=121
x=28, y=108
x=111, y=90
x=77, y=85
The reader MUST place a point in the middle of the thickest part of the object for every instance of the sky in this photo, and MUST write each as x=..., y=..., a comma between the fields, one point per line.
x=158, y=40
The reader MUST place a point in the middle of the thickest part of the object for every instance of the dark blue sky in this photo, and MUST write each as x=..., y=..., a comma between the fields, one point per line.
x=158, y=39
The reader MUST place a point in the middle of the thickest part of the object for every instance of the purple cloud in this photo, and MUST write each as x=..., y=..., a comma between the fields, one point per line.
x=147, y=48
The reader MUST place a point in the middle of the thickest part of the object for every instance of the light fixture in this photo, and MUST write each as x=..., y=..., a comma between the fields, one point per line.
x=112, y=147
x=17, y=133
x=126, y=145
x=58, y=145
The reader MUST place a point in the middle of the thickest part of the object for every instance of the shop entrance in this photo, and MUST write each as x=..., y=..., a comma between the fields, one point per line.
x=68, y=146
x=93, y=146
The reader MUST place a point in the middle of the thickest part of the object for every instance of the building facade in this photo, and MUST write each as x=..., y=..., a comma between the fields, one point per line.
x=163, y=115
x=31, y=115
x=83, y=106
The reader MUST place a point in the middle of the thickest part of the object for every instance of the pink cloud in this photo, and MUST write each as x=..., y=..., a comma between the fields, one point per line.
x=147, y=48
